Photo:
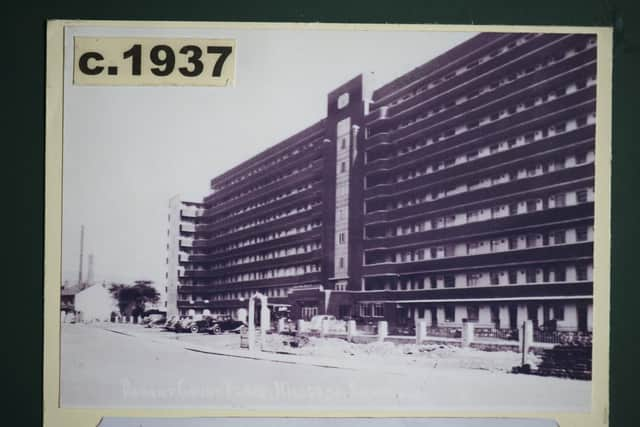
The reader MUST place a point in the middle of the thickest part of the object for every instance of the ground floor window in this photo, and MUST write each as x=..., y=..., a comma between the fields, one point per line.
x=558, y=312
x=365, y=310
x=473, y=313
x=378, y=310
x=449, y=313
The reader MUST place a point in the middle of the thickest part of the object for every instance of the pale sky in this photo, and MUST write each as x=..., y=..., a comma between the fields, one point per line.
x=127, y=150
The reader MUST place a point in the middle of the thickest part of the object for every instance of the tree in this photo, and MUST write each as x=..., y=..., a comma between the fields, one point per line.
x=132, y=298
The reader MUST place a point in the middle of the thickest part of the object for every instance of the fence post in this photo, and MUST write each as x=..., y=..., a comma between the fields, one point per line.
x=383, y=330
x=351, y=329
x=421, y=331
x=281, y=325
x=467, y=333
x=300, y=326
x=324, y=328
x=525, y=336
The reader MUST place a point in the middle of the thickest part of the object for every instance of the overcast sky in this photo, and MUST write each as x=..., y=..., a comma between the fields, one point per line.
x=127, y=150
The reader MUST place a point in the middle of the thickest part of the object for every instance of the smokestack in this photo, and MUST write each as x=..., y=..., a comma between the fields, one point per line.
x=90, y=269
x=81, y=254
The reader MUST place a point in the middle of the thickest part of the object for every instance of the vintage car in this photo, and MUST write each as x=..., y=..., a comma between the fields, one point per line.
x=199, y=325
x=225, y=325
x=158, y=323
x=171, y=323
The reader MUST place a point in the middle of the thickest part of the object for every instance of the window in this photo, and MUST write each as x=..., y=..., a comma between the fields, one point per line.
x=532, y=240
x=581, y=158
x=343, y=167
x=449, y=281
x=529, y=138
x=433, y=282
x=495, y=278
x=513, y=277
x=341, y=238
x=560, y=274
x=560, y=127
x=559, y=237
x=341, y=263
x=449, y=250
x=581, y=272
x=560, y=200
x=531, y=205
x=449, y=313
x=378, y=310
x=513, y=209
x=513, y=243
x=433, y=251
x=472, y=279
x=473, y=313
x=558, y=312
x=581, y=196
x=343, y=145
x=581, y=121
x=365, y=310
x=531, y=275
x=582, y=234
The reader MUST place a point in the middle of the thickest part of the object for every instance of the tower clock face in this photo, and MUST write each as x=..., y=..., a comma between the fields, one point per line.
x=343, y=100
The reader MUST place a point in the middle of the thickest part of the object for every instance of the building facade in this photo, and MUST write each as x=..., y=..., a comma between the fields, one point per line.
x=461, y=191
x=180, y=233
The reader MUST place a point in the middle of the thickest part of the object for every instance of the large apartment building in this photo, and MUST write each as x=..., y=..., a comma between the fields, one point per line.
x=461, y=191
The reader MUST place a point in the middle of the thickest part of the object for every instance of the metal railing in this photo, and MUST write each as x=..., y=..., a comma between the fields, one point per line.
x=562, y=337
x=497, y=333
x=444, y=331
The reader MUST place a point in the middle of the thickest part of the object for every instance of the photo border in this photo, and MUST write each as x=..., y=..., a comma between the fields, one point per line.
x=55, y=416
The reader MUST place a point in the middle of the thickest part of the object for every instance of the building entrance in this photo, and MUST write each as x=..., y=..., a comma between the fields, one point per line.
x=308, y=312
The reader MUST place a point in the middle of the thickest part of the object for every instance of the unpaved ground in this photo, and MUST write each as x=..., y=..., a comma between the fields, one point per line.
x=100, y=368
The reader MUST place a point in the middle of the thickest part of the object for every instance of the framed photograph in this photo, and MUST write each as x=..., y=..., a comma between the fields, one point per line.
x=327, y=220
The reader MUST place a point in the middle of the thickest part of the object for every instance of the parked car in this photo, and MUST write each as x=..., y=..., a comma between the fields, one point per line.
x=200, y=325
x=225, y=325
x=158, y=323
x=184, y=324
x=171, y=323
x=315, y=324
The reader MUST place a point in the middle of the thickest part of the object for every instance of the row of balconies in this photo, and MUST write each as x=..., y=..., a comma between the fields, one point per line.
x=443, y=79
x=512, y=62
x=538, y=83
x=254, y=248
x=542, y=220
x=576, y=251
x=510, y=292
x=570, y=106
x=378, y=210
x=310, y=173
x=290, y=260
x=307, y=278
x=509, y=159
x=311, y=195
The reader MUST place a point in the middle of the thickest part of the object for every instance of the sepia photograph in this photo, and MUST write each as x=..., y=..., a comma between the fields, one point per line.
x=349, y=219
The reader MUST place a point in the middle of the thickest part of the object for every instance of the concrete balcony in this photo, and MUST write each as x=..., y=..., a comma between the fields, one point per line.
x=187, y=228
x=190, y=212
x=187, y=243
